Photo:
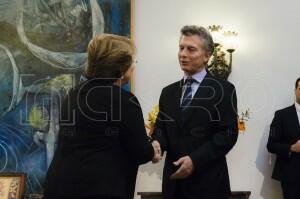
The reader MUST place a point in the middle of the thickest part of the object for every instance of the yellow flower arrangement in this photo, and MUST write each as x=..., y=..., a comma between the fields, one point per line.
x=242, y=118
x=152, y=116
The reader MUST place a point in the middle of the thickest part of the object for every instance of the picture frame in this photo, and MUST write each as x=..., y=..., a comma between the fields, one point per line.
x=132, y=36
x=12, y=185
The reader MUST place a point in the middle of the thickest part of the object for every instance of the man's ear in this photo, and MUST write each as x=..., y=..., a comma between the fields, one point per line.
x=207, y=57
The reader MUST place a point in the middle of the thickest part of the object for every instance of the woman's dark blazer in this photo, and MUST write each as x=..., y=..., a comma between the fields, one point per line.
x=102, y=141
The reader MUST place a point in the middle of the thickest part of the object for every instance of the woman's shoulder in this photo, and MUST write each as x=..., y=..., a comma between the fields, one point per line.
x=128, y=96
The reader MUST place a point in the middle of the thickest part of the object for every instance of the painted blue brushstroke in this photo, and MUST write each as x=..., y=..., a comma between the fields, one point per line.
x=115, y=17
x=23, y=154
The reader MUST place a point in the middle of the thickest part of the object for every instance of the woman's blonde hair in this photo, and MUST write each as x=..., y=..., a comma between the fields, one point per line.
x=109, y=56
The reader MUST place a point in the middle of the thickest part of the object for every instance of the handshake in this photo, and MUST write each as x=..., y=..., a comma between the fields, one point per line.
x=157, y=152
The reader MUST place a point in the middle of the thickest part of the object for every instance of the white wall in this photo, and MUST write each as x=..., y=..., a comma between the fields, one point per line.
x=265, y=66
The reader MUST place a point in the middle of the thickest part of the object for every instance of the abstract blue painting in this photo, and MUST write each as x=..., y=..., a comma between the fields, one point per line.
x=42, y=55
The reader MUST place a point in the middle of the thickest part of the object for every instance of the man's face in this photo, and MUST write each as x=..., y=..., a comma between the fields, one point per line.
x=191, y=55
x=297, y=93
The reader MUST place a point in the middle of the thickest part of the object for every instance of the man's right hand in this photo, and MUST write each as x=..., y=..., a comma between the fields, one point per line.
x=296, y=147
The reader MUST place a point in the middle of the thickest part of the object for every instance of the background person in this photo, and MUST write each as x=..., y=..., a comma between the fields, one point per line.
x=284, y=141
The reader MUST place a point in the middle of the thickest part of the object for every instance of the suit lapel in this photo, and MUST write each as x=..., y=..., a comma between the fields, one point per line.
x=294, y=118
x=176, y=102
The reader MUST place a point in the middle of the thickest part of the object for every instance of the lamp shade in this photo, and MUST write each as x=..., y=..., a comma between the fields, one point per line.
x=216, y=33
x=230, y=40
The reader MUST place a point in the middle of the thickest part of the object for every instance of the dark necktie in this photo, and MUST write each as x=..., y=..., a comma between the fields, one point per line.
x=187, y=96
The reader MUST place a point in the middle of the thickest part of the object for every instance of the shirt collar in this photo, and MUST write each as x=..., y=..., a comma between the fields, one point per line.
x=198, y=76
x=297, y=107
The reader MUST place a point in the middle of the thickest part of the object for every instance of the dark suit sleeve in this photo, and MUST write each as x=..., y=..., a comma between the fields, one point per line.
x=225, y=133
x=275, y=144
x=135, y=138
x=159, y=132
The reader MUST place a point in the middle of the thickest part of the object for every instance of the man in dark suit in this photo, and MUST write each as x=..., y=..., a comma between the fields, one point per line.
x=197, y=124
x=284, y=141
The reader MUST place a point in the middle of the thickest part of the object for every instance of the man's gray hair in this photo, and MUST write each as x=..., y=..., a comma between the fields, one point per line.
x=202, y=33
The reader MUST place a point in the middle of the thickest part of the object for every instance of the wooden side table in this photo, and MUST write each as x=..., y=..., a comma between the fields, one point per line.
x=240, y=195
x=150, y=195
x=158, y=195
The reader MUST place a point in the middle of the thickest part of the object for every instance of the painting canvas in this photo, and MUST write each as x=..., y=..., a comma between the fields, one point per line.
x=42, y=55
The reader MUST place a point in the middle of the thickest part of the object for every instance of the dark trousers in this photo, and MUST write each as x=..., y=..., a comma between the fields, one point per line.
x=290, y=190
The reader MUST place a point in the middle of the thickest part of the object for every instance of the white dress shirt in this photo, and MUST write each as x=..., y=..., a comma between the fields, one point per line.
x=195, y=85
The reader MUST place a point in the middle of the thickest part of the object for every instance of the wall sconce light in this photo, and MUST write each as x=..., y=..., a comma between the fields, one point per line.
x=225, y=43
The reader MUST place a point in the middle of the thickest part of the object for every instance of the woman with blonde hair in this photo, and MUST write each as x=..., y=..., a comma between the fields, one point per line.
x=102, y=139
